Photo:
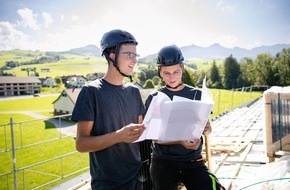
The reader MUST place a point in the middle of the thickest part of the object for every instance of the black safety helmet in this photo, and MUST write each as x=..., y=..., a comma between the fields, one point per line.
x=116, y=37
x=113, y=40
x=169, y=55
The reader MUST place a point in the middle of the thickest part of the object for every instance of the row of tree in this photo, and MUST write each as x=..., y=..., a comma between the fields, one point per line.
x=263, y=70
x=48, y=58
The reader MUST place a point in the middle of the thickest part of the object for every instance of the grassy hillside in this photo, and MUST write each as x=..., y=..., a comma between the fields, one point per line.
x=68, y=64
x=19, y=56
x=203, y=64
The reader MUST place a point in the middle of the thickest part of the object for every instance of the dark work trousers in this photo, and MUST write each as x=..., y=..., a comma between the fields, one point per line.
x=167, y=174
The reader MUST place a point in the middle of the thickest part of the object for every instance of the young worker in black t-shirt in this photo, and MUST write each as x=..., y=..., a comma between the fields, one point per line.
x=179, y=161
x=109, y=116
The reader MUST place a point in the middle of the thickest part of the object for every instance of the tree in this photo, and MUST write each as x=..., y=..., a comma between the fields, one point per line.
x=214, y=76
x=142, y=77
x=282, y=67
x=156, y=80
x=231, y=72
x=149, y=72
x=58, y=81
x=200, y=76
x=148, y=84
x=188, y=78
x=264, y=71
x=248, y=72
x=135, y=77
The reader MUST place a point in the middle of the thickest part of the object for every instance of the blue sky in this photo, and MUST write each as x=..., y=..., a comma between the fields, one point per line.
x=57, y=25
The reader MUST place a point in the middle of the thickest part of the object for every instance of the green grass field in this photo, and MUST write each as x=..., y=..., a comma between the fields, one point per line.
x=31, y=103
x=226, y=100
x=27, y=132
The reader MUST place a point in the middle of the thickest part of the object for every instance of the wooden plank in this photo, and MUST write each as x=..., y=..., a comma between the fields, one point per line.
x=207, y=151
x=229, y=144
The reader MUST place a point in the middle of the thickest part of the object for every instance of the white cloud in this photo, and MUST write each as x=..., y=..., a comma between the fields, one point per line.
x=10, y=38
x=28, y=18
x=71, y=37
x=225, y=8
x=47, y=19
x=75, y=18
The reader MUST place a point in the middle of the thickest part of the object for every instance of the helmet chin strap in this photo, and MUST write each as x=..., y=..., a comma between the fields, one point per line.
x=116, y=66
x=123, y=74
x=175, y=86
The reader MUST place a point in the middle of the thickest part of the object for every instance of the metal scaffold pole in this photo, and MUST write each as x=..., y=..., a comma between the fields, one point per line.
x=13, y=154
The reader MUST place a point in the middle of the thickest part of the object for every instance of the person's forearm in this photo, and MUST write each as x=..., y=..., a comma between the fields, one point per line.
x=96, y=143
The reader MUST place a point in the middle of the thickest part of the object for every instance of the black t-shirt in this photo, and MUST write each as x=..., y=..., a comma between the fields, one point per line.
x=111, y=107
x=176, y=151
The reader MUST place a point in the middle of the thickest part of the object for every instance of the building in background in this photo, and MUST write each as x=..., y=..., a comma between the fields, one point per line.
x=16, y=86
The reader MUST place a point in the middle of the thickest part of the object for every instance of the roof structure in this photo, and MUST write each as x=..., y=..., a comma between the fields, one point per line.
x=72, y=94
x=18, y=80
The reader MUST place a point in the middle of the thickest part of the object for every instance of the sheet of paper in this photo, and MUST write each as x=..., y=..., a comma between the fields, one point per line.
x=152, y=120
x=183, y=120
x=206, y=95
x=179, y=119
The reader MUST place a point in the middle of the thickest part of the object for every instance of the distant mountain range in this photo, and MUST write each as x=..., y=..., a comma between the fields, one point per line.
x=215, y=51
x=87, y=50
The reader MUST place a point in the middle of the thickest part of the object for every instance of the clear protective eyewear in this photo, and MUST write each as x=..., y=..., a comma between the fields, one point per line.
x=130, y=55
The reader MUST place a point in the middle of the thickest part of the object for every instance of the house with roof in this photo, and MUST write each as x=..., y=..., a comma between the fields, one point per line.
x=48, y=81
x=94, y=76
x=66, y=101
x=16, y=86
x=74, y=81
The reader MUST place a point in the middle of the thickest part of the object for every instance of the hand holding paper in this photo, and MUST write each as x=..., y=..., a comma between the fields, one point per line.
x=179, y=119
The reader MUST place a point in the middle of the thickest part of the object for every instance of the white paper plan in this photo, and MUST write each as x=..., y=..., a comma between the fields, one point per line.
x=179, y=119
